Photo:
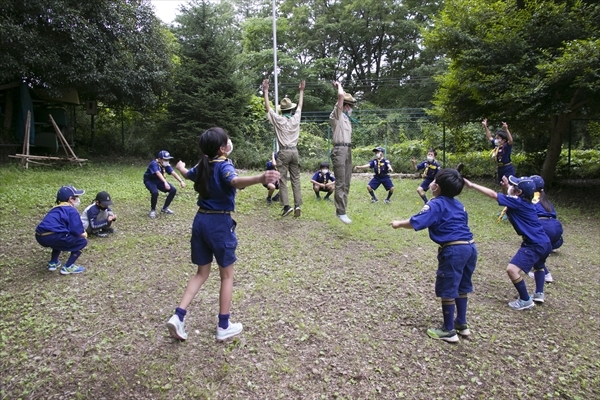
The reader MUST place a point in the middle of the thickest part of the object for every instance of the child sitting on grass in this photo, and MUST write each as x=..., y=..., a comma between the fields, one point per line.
x=62, y=230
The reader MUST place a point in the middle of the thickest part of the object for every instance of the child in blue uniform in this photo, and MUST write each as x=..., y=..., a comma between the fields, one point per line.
x=61, y=230
x=323, y=181
x=97, y=218
x=271, y=187
x=213, y=231
x=382, y=169
x=535, y=247
x=154, y=179
x=502, y=143
x=447, y=221
x=547, y=216
x=430, y=168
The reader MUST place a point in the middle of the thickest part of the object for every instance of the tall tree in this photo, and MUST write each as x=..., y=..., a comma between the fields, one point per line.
x=525, y=61
x=111, y=50
x=208, y=88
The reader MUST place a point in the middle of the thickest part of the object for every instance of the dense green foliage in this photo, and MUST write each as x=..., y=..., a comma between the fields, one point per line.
x=113, y=51
x=532, y=62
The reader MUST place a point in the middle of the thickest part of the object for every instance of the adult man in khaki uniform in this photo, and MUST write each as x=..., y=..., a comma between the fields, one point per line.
x=341, y=155
x=287, y=129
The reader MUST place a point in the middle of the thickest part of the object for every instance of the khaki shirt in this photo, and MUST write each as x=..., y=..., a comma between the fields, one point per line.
x=286, y=129
x=340, y=126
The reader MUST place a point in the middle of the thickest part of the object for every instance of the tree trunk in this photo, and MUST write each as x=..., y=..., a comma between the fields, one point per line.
x=558, y=129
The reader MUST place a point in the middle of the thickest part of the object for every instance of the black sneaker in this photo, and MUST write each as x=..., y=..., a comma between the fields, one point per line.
x=269, y=201
x=287, y=210
x=108, y=230
x=100, y=234
x=276, y=197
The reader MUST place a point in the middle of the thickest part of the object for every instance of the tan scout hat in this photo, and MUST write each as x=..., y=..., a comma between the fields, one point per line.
x=348, y=99
x=286, y=104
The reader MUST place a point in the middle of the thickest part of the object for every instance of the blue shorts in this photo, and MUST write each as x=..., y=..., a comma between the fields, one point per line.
x=506, y=171
x=553, y=228
x=456, y=265
x=532, y=256
x=62, y=241
x=425, y=184
x=213, y=235
x=381, y=180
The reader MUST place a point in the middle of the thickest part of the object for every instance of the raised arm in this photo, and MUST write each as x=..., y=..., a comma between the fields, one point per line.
x=340, y=89
x=301, y=97
x=413, y=161
x=505, y=127
x=486, y=191
x=487, y=130
x=265, y=86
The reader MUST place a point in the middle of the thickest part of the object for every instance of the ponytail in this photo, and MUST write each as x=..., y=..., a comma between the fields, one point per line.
x=210, y=141
x=201, y=184
x=545, y=202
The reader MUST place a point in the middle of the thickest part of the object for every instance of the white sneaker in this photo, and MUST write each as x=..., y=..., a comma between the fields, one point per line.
x=152, y=214
x=548, y=278
x=344, y=218
x=232, y=330
x=176, y=328
x=531, y=274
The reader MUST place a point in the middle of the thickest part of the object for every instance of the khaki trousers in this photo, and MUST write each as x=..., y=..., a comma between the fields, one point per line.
x=287, y=160
x=341, y=157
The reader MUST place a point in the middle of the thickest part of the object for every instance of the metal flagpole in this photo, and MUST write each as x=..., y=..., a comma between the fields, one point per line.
x=275, y=64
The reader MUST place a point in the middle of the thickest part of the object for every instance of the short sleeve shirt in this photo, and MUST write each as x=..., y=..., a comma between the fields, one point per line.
x=380, y=167
x=430, y=169
x=286, y=129
x=319, y=177
x=524, y=219
x=153, y=168
x=222, y=194
x=503, y=153
x=341, y=126
x=446, y=219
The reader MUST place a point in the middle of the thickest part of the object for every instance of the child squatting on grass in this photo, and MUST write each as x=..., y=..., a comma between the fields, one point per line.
x=213, y=230
x=62, y=230
x=535, y=247
x=447, y=221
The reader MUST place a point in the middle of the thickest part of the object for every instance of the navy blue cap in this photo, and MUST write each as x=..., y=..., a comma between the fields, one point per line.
x=378, y=149
x=164, y=155
x=66, y=192
x=524, y=184
x=539, y=182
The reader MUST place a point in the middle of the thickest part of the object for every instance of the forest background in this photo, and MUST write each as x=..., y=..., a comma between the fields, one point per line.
x=425, y=74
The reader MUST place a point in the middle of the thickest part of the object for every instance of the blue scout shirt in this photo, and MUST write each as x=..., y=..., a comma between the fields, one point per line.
x=222, y=194
x=431, y=169
x=541, y=211
x=62, y=218
x=502, y=153
x=446, y=219
x=319, y=177
x=269, y=166
x=380, y=166
x=153, y=167
x=524, y=219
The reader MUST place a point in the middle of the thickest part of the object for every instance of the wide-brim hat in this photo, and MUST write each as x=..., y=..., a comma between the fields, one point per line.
x=348, y=99
x=524, y=184
x=66, y=192
x=286, y=104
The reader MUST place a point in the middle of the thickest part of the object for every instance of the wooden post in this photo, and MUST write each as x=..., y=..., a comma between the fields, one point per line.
x=25, y=160
x=68, y=150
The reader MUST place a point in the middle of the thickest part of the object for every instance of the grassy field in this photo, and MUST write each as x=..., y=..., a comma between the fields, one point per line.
x=329, y=310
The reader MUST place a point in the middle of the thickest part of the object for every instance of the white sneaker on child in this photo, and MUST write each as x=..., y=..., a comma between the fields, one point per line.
x=232, y=330
x=176, y=328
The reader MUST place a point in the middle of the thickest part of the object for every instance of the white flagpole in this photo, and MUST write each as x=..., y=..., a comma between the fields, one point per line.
x=275, y=63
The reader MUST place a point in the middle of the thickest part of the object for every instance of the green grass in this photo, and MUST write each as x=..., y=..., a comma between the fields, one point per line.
x=329, y=310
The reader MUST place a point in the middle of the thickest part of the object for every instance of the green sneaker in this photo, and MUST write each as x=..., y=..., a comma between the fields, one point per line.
x=462, y=329
x=72, y=269
x=442, y=334
x=52, y=266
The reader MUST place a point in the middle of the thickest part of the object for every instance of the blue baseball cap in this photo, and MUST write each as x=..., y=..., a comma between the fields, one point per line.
x=66, y=192
x=539, y=182
x=164, y=155
x=524, y=184
x=378, y=149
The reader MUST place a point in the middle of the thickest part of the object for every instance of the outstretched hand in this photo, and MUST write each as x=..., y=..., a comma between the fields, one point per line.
x=395, y=224
x=468, y=183
x=270, y=176
x=302, y=85
x=504, y=125
x=265, y=85
x=484, y=122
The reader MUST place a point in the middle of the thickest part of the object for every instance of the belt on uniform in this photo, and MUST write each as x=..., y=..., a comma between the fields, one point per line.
x=504, y=165
x=457, y=242
x=287, y=148
x=342, y=145
x=544, y=217
x=203, y=211
x=45, y=233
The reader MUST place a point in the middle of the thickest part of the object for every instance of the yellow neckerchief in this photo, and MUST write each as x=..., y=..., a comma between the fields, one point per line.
x=324, y=177
x=162, y=168
x=218, y=159
x=63, y=204
x=494, y=153
x=536, y=197
x=379, y=162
